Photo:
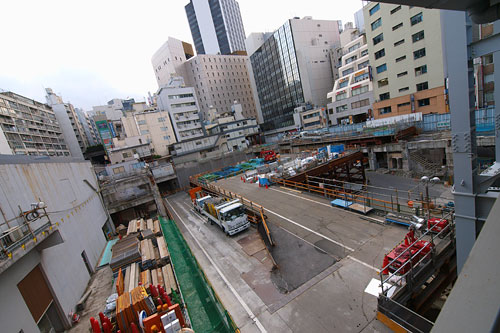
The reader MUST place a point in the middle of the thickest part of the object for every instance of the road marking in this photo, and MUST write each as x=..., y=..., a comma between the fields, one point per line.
x=289, y=189
x=363, y=263
x=226, y=281
x=310, y=230
x=324, y=204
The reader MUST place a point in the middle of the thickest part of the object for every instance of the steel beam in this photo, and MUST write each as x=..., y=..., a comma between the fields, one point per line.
x=496, y=93
x=456, y=33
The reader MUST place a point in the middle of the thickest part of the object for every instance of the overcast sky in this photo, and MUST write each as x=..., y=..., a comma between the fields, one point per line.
x=92, y=51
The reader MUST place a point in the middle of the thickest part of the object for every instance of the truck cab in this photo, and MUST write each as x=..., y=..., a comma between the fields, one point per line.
x=234, y=218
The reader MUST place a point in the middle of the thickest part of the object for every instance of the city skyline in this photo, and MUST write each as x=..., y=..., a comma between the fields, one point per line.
x=89, y=63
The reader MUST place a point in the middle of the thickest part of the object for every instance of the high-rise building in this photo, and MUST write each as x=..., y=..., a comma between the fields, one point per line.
x=84, y=120
x=181, y=104
x=484, y=69
x=71, y=127
x=169, y=60
x=293, y=67
x=352, y=96
x=29, y=127
x=406, y=55
x=216, y=26
x=220, y=80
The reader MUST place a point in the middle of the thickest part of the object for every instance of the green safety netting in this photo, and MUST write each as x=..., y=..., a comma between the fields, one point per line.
x=205, y=311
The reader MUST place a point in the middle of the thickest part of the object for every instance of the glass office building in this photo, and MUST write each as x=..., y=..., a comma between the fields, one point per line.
x=277, y=79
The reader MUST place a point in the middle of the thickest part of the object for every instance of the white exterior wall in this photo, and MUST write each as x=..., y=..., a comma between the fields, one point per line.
x=61, y=187
x=67, y=130
x=4, y=144
x=169, y=61
x=432, y=42
x=234, y=24
x=185, y=120
x=220, y=80
x=206, y=26
x=313, y=39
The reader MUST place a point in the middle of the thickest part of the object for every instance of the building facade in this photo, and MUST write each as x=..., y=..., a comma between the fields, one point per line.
x=484, y=69
x=169, y=60
x=29, y=127
x=154, y=126
x=406, y=55
x=351, y=99
x=85, y=122
x=293, y=67
x=44, y=273
x=220, y=80
x=182, y=106
x=216, y=26
x=72, y=129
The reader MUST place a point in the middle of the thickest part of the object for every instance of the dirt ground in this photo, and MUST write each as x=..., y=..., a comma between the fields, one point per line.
x=102, y=286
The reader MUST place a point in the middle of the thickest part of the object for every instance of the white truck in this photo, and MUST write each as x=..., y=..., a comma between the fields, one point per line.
x=229, y=215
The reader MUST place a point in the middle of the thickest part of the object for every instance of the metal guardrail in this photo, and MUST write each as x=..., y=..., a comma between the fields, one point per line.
x=405, y=317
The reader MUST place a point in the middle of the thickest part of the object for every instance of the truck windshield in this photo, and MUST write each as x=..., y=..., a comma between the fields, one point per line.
x=234, y=213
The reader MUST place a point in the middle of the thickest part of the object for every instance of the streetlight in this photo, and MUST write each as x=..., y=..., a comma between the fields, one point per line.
x=426, y=180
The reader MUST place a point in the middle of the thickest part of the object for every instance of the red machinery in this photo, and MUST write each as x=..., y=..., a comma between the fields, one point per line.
x=268, y=155
x=410, y=246
x=436, y=224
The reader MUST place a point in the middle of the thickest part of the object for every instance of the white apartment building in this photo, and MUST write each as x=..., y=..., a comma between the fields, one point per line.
x=351, y=99
x=85, y=121
x=72, y=129
x=220, y=80
x=406, y=54
x=153, y=127
x=169, y=60
x=181, y=104
x=28, y=127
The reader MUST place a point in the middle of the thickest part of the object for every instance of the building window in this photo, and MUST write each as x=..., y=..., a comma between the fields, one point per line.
x=488, y=97
x=385, y=110
x=418, y=36
x=400, y=58
x=350, y=59
x=420, y=70
x=359, y=104
x=161, y=119
x=118, y=170
x=363, y=64
x=404, y=89
x=419, y=53
x=374, y=9
x=402, y=73
x=416, y=19
x=403, y=104
x=377, y=23
x=399, y=42
x=377, y=39
x=383, y=82
x=340, y=96
x=379, y=54
x=422, y=86
x=488, y=59
x=352, y=48
x=166, y=137
x=361, y=77
x=397, y=26
x=384, y=96
x=341, y=108
x=347, y=71
x=343, y=84
x=381, y=68
x=359, y=90
x=395, y=9
x=364, y=52
x=424, y=102
x=141, y=122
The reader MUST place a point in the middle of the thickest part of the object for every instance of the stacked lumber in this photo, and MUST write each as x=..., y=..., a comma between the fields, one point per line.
x=124, y=312
x=162, y=247
x=138, y=300
x=132, y=227
x=150, y=225
x=156, y=227
x=169, y=279
x=147, y=253
x=142, y=225
x=146, y=278
x=131, y=277
x=120, y=286
x=125, y=251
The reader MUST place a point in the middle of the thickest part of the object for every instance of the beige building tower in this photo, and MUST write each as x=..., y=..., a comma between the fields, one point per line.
x=406, y=56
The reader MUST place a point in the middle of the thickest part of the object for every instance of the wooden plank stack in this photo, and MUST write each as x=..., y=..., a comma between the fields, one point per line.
x=162, y=247
x=120, y=283
x=132, y=277
x=146, y=278
x=156, y=227
x=125, y=252
x=147, y=253
x=128, y=305
x=150, y=224
x=169, y=278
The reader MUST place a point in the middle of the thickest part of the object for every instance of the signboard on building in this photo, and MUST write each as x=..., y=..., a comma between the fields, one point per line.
x=105, y=134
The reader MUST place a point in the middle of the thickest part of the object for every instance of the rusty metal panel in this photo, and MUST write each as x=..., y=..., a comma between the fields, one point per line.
x=35, y=292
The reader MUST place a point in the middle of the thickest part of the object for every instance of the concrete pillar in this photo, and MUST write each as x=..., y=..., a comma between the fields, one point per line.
x=372, y=159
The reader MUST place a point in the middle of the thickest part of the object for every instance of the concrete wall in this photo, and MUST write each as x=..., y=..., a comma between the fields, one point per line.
x=61, y=186
x=187, y=169
x=67, y=130
x=4, y=144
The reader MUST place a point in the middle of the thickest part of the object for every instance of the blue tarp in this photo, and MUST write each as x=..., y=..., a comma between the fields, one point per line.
x=341, y=203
